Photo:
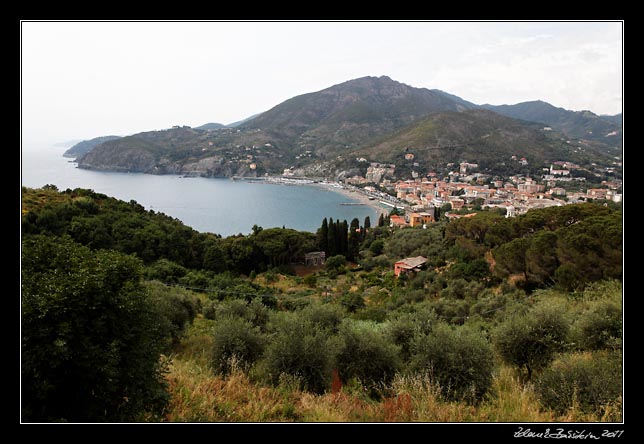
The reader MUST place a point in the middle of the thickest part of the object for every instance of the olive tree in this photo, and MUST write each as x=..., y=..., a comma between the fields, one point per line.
x=530, y=340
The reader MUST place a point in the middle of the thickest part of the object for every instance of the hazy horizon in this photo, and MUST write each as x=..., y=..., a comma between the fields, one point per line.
x=81, y=80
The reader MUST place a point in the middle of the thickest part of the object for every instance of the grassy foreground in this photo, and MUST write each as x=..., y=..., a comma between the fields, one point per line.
x=198, y=395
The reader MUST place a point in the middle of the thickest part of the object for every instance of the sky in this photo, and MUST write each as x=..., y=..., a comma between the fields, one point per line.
x=81, y=80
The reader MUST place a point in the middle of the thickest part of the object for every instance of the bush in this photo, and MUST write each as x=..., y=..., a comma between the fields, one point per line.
x=336, y=262
x=254, y=312
x=236, y=342
x=310, y=280
x=453, y=311
x=326, y=316
x=458, y=359
x=90, y=342
x=375, y=314
x=367, y=356
x=352, y=302
x=302, y=350
x=600, y=327
x=588, y=381
x=531, y=340
x=166, y=271
x=175, y=308
x=404, y=327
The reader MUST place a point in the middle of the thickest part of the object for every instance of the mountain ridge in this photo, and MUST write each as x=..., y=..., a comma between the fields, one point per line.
x=579, y=124
x=317, y=127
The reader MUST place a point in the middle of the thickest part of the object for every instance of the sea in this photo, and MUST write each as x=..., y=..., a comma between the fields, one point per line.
x=222, y=206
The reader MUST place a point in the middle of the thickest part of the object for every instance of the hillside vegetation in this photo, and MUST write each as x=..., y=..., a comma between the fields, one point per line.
x=514, y=319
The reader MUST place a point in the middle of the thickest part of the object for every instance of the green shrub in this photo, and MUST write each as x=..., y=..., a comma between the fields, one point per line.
x=352, y=302
x=531, y=340
x=90, y=341
x=254, y=311
x=405, y=326
x=325, y=316
x=166, y=271
x=588, y=381
x=600, y=327
x=375, y=314
x=310, y=280
x=336, y=263
x=458, y=359
x=302, y=350
x=367, y=356
x=453, y=311
x=236, y=342
x=175, y=309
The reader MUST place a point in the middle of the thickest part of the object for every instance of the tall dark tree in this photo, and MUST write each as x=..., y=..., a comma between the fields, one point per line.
x=355, y=239
x=332, y=239
x=323, y=236
x=343, y=237
x=367, y=223
x=367, y=226
x=381, y=221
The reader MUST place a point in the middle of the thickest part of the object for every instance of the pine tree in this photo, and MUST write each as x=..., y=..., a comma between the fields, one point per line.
x=381, y=220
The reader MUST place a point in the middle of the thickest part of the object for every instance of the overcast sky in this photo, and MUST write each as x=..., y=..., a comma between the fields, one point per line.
x=82, y=79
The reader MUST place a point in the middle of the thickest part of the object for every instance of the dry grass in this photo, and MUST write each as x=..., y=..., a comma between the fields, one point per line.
x=198, y=395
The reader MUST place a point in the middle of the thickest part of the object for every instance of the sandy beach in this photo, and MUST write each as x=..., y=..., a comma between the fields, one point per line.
x=359, y=197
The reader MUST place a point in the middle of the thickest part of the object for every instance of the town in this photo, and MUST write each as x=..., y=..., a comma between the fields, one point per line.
x=464, y=191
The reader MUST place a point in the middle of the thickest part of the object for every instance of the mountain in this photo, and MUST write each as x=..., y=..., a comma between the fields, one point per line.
x=306, y=128
x=616, y=119
x=322, y=133
x=86, y=145
x=576, y=124
x=463, y=103
x=211, y=126
x=477, y=136
x=239, y=122
x=345, y=115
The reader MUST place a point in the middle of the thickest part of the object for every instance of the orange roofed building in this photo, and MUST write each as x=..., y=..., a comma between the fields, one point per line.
x=398, y=221
x=420, y=219
x=409, y=265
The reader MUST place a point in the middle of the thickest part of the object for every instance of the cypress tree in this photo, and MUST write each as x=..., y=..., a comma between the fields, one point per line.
x=355, y=238
x=323, y=236
x=332, y=239
x=367, y=225
x=343, y=240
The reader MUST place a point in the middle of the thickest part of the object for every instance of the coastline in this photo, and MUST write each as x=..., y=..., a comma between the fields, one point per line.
x=357, y=196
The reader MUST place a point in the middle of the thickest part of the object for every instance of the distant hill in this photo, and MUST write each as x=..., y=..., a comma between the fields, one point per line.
x=86, y=145
x=239, y=122
x=577, y=124
x=345, y=115
x=477, y=136
x=316, y=125
x=67, y=144
x=617, y=118
x=210, y=126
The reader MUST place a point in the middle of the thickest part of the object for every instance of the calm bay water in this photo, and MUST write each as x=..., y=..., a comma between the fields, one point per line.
x=209, y=205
